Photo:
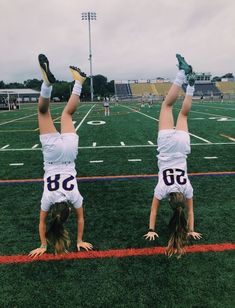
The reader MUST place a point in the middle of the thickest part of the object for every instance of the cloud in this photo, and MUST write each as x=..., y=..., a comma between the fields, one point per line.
x=130, y=39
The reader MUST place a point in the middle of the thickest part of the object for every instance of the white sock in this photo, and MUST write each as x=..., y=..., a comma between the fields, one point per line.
x=45, y=90
x=77, y=88
x=190, y=90
x=180, y=77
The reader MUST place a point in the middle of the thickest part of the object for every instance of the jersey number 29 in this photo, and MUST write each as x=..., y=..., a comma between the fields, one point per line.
x=170, y=176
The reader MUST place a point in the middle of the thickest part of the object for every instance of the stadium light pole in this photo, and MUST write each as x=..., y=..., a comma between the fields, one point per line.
x=90, y=16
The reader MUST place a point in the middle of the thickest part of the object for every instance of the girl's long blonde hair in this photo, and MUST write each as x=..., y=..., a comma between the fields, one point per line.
x=178, y=226
x=57, y=235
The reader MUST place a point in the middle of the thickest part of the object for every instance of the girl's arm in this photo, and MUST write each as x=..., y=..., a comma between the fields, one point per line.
x=42, y=234
x=80, y=228
x=191, y=231
x=152, y=220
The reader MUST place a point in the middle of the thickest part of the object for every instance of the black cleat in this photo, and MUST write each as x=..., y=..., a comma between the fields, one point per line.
x=47, y=76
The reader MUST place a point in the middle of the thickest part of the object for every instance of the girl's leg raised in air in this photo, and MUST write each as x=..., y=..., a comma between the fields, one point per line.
x=45, y=122
x=67, y=125
x=166, y=120
x=182, y=120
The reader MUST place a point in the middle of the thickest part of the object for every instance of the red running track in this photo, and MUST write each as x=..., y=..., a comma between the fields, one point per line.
x=118, y=253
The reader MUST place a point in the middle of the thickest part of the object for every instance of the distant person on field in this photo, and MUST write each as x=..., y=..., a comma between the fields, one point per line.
x=106, y=106
x=173, y=182
x=59, y=153
x=221, y=98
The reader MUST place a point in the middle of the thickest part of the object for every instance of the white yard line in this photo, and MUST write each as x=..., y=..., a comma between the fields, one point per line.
x=135, y=159
x=35, y=146
x=31, y=115
x=121, y=146
x=5, y=146
x=140, y=113
x=16, y=164
x=28, y=116
x=84, y=118
x=207, y=141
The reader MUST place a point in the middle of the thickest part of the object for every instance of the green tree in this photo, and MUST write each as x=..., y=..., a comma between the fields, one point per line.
x=34, y=84
x=2, y=85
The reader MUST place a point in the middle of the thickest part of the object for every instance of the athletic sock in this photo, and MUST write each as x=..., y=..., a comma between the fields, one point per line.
x=77, y=88
x=190, y=90
x=180, y=77
x=45, y=90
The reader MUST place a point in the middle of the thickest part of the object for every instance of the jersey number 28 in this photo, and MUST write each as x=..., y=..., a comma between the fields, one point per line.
x=53, y=184
x=170, y=176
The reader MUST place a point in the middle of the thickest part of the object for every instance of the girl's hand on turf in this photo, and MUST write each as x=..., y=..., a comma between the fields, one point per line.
x=151, y=235
x=195, y=235
x=37, y=252
x=85, y=245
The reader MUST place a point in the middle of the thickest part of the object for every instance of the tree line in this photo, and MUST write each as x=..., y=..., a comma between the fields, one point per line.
x=62, y=89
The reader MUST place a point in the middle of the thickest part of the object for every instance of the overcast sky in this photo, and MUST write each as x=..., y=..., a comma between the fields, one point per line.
x=131, y=39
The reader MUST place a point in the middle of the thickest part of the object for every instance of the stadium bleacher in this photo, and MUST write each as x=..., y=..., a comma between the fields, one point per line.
x=205, y=89
x=226, y=87
x=140, y=89
x=122, y=90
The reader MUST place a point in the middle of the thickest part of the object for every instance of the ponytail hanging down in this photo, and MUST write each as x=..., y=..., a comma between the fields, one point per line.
x=177, y=226
x=57, y=235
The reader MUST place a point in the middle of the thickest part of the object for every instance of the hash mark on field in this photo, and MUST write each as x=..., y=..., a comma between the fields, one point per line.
x=5, y=146
x=150, y=142
x=210, y=157
x=96, y=161
x=229, y=137
x=136, y=159
x=122, y=143
x=16, y=164
x=34, y=146
x=94, y=144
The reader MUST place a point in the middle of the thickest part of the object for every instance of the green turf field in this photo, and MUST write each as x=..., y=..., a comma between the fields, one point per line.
x=117, y=211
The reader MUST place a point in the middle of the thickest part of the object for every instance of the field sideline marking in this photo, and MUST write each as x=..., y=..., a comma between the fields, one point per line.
x=117, y=177
x=84, y=118
x=207, y=141
x=28, y=116
x=114, y=253
x=121, y=146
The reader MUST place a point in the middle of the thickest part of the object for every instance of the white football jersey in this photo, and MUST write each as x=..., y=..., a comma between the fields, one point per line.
x=59, y=188
x=173, y=147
